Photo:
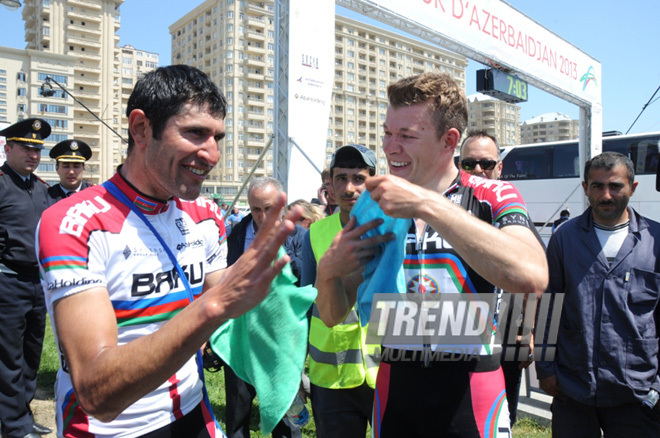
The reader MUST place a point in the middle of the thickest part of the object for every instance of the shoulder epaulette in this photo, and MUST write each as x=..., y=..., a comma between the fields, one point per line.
x=39, y=179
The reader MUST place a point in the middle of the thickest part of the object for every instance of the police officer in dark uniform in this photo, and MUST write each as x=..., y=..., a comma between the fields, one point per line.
x=23, y=197
x=70, y=157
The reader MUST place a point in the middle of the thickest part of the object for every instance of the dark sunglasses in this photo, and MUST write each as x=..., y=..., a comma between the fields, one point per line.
x=470, y=164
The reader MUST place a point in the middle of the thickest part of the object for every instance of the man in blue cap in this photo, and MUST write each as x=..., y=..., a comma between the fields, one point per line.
x=23, y=197
x=70, y=157
x=342, y=367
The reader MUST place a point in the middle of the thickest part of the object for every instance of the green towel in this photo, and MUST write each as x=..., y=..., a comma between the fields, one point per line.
x=267, y=346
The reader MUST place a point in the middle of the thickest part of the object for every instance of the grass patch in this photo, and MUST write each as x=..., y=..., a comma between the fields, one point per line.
x=215, y=383
x=50, y=362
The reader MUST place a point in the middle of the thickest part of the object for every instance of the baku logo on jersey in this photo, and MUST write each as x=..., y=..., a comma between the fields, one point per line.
x=422, y=284
x=181, y=225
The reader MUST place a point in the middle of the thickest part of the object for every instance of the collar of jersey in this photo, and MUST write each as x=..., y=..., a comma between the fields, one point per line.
x=145, y=203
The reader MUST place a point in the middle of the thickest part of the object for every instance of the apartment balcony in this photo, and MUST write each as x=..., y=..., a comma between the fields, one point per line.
x=87, y=69
x=83, y=55
x=86, y=94
x=83, y=41
x=256, y=129
x=29, y=8
x=85, y=29
x=255, y=62
x=258, y=117
x=256, y=102
x=254, y=49
x=259, y=90
x=86, y=3
x=87, y=81
x=94, y=107
x=84, y=16
x=253, y=142
x=30, y=33
x=253, y=35
x=259, y=24
x=255, y=8
x=256, y=76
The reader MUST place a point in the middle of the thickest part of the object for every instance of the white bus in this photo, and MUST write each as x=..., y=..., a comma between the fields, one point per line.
x=548, y=175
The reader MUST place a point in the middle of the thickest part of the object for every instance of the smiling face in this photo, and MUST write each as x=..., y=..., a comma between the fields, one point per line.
x=178, y=163
x=23, y=159
x=414, y=151
x=70, y=173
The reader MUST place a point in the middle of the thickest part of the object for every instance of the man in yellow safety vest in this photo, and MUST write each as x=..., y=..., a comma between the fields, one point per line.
x=342, y=367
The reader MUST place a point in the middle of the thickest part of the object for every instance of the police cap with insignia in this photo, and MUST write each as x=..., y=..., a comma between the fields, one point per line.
x=75, y=151
x=28, y=132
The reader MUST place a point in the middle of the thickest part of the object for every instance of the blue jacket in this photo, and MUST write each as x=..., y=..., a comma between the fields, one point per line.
x=607, y=345
x=293, y=245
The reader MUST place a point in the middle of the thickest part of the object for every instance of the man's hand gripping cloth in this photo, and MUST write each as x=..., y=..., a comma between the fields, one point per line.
x=384, y=273
x=266, y=347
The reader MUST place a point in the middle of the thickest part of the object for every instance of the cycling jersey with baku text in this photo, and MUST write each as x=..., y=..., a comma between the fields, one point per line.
x=93, y=240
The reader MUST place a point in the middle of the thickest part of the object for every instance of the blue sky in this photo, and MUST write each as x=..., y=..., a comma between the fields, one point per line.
x=621, y=35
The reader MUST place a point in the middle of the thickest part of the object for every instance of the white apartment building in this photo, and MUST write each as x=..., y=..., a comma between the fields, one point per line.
x=233, y=42
x=86, y=31
x=497, y=117
x=549, y=127
x=134, y=63
x=22, y=73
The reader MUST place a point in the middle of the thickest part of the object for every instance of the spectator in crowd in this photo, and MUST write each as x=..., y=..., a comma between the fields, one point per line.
x=133, y=299
x=342, y=367
x=480, y=155
x=70, y=157
x=604, y=375
x=453, y=216
x=233, y=219
x=564, y=216
x=311, y=212
x=224, y=208
x=23, y=197
x=325, y=197
x=263, y=194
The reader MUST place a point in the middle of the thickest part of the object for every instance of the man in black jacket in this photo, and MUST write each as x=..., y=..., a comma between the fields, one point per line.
x=23, y=197
x=70, y=157
x=262, y=194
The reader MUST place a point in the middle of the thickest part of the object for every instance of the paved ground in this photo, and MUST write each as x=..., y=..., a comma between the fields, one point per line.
x=43, y=407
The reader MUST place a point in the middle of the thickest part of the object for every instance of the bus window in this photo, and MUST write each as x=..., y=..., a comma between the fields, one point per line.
x=527, y=163
x=565, y=161
x=643, y=153
x=620, y=146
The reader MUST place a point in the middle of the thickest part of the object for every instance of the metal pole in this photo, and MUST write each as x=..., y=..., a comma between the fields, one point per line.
x=49, y=79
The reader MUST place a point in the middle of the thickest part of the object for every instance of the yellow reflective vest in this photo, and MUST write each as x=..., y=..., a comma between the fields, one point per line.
x=339, y=357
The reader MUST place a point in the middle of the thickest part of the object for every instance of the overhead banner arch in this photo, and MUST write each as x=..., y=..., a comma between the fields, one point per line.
x=488, y=31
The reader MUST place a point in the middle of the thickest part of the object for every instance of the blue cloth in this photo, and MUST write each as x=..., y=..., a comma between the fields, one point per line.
x=607, y=344
x=267, y=346
x=383, y=273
